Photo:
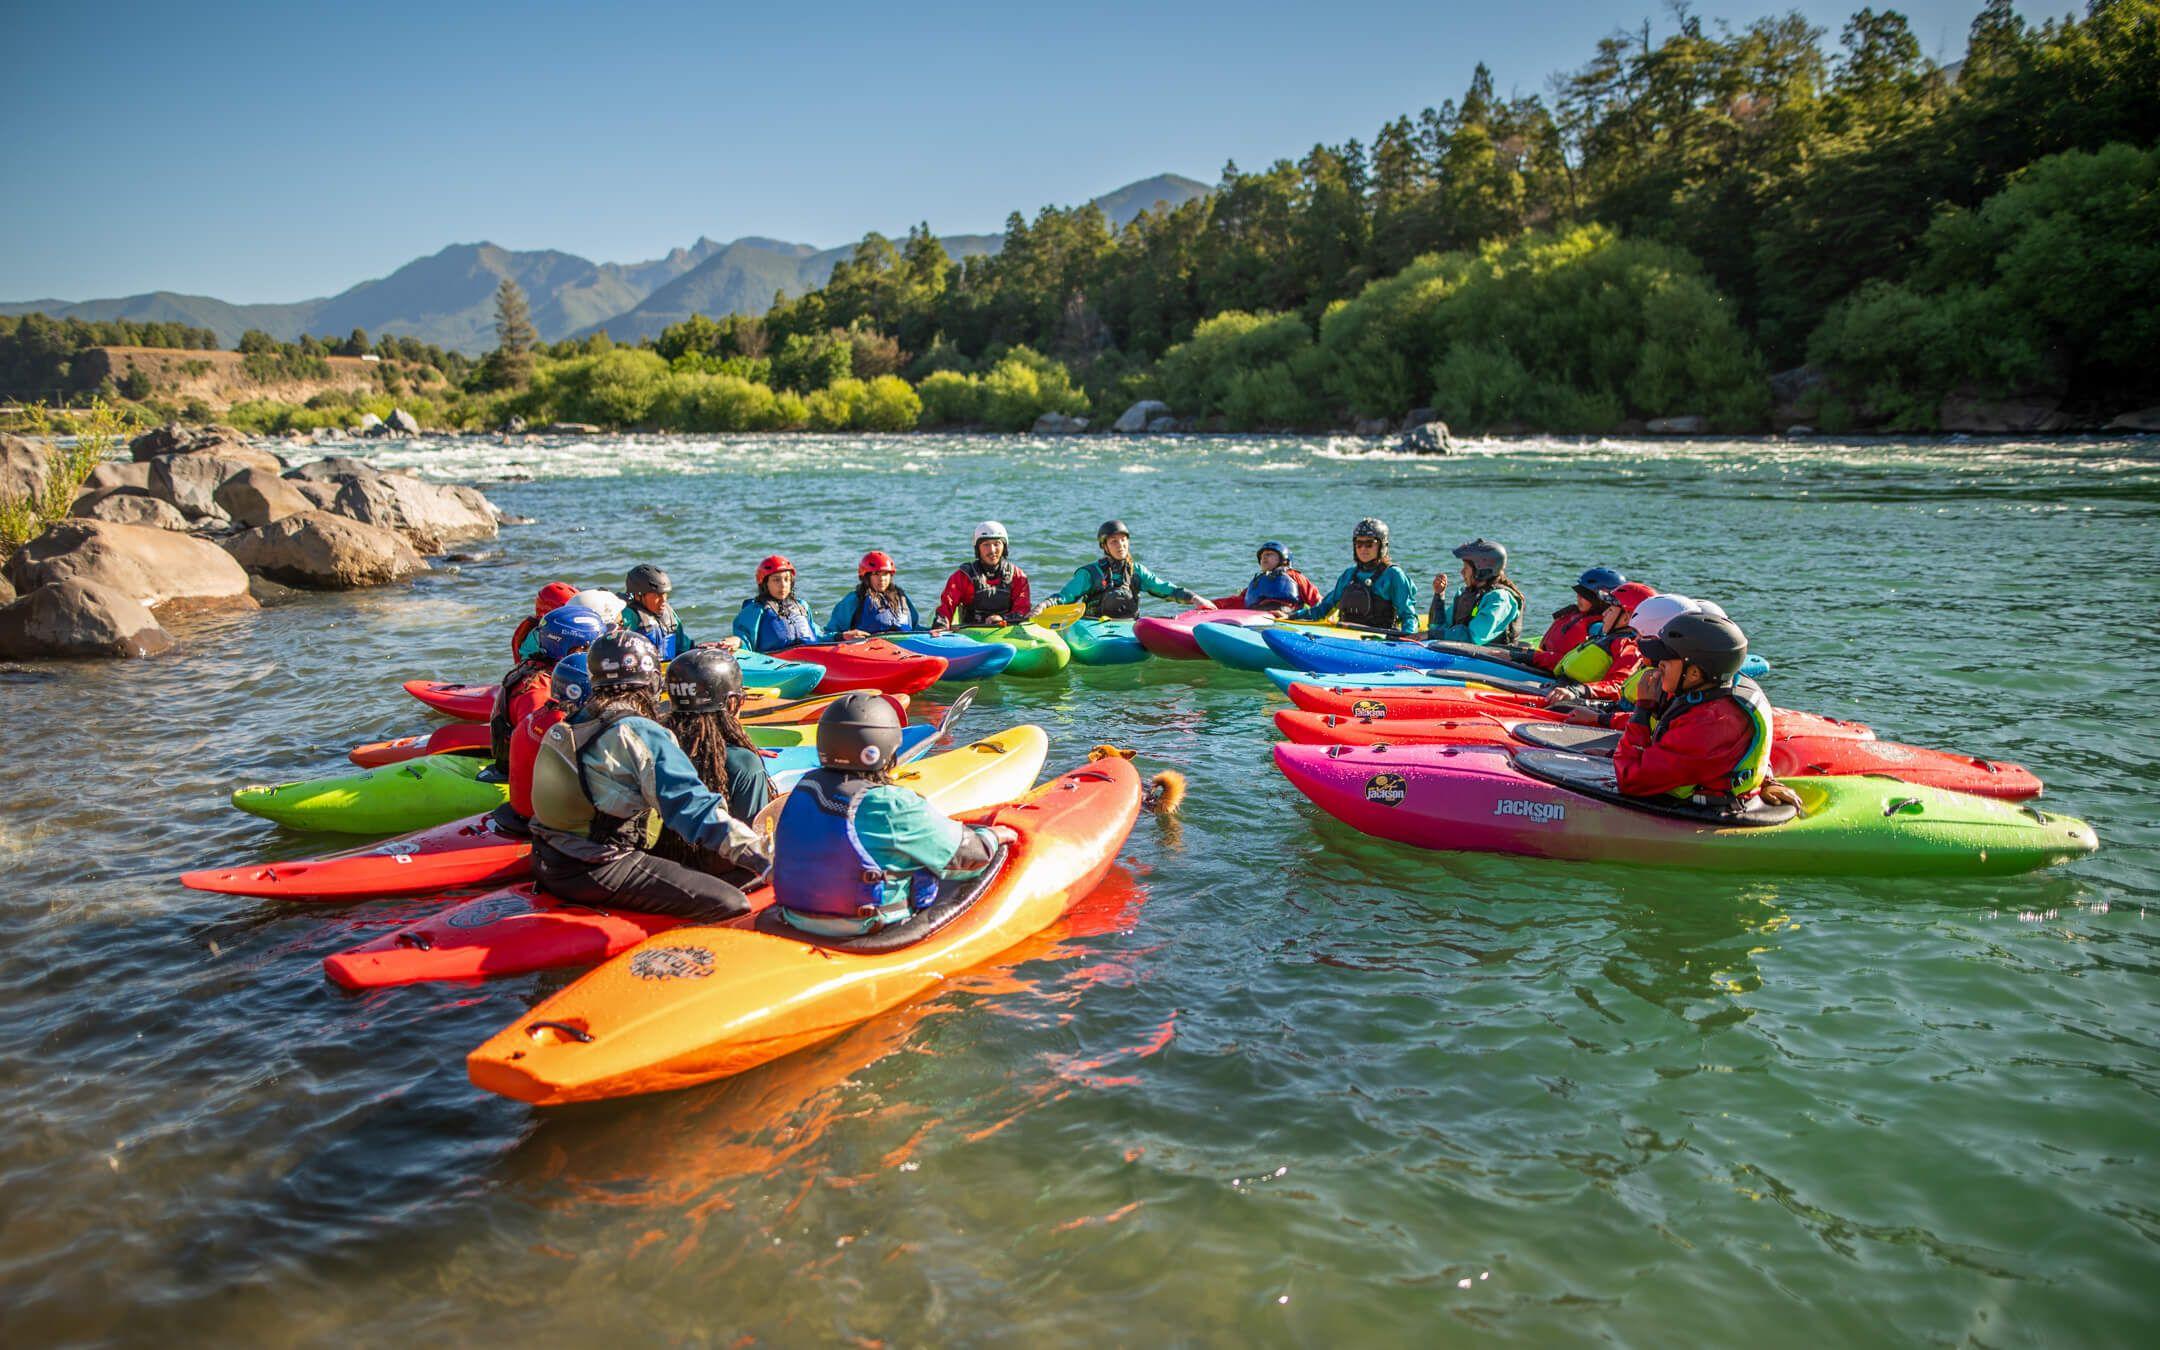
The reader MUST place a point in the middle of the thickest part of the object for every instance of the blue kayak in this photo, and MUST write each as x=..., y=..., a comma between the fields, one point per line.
x=1236, y=645
x=1104, y=642
x=1365, y=656
x=1402, y=679
x=790, y=679
x=965, y=658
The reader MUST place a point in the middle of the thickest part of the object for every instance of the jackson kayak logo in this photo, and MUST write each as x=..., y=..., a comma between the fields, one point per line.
x=1537, y=813
x=398, y=848
x=672, y=963
x=481, y=913
x=1386, y=789
x=1368, y=707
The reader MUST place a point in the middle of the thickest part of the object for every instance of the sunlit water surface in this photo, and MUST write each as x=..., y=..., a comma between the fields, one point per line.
x=1275, y=1082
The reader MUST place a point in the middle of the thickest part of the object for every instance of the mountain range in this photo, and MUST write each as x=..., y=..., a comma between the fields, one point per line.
x=448, y=298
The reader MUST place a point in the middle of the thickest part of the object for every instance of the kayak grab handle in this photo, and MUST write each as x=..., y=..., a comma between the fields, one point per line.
x=578, y=1034
x=420, y=940
x=1911, y=806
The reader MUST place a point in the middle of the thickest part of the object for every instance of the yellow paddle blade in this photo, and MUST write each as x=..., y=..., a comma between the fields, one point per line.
x=1055, y=617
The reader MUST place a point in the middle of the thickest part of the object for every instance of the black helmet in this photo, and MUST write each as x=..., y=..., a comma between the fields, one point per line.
x=1371, y=527
x=646, y=577
x=702, y=680
x=1110, y=527
x=622, y=660
x=860, y=732
x=1485, y=557
x=1712, y=645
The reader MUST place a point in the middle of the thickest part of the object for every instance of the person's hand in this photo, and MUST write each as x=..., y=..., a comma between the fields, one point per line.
x=1439, y=583
x=1006, y=835
x=1563, y=693
x=853, y=635
x=729, y=644
x=1777, y=794
x=1584, y=717
x=1202, y=602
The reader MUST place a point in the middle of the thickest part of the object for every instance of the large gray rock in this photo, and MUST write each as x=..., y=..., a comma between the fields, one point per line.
x=1059, y=424
x=1371, y=426
x=1965, y=410
x=430, y=515
x=371, y=425
x=154, y=567
x=1427, y=438
x=402, y=422
x=1162, y=426
x=1418, y=417
x=1135, y=419
x=191, y=481
x=1686, y=425
x=115, y=473
x=335, y=469
x=23, y=465
x=79, y=619
x=128, y=506
x=320, y=496
x=324, y=552
x=177, y=439
x=2144, y=419
x=254, y=498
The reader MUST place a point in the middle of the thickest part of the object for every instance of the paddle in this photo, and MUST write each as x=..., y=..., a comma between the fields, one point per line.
x=768, y=820
x=1057, y=617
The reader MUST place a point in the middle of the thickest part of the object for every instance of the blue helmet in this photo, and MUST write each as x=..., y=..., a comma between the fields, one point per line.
x=1599, y=583
x=1278, y=547
x=567, y=629
x=570, y=684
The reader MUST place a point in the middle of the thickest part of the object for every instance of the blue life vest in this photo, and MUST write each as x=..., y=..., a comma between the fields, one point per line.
x=1268, y=589
x=824, y=881
x=659, y=629
x=871, y=616
x=783, y=623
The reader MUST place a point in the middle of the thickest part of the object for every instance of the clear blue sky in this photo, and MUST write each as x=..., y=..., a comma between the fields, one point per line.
x=279, y=152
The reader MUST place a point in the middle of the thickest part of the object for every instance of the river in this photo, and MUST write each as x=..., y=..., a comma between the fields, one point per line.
x=1275, y=1083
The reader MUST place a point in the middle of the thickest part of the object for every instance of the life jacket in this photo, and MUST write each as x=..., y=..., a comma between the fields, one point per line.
x=500, y=724
x=659, y=629
x=1272, y=590
x=1570, y=628
x=1116, y=590
x=562, y=799
x=1466, y=604
x=525, y=629
x=1591, y=660
x=824, y=881
x=890, y=612
x=783, y=623
x=1631, y=689
x=525, y=751
x=1361, y=604
x=1746, y=777
x=993, y=598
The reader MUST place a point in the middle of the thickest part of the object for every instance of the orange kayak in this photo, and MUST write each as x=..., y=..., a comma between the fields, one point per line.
x=701, y=1003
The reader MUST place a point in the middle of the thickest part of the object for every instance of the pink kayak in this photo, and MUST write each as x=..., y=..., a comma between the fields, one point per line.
x=1173, y=637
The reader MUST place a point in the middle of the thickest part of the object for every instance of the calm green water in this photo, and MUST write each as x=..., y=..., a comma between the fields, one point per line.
x=1275, y=1083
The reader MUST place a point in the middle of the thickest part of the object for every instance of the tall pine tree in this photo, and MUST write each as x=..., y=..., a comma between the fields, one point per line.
x=510, y=365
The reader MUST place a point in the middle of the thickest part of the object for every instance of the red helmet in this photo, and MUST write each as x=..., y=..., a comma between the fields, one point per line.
x=875, y=561
x=1632, y=594
x=552, y=597
x=775, y=563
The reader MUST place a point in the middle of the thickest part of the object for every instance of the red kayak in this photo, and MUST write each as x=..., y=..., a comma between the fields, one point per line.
x=1173, y=639
x=466, y=702
x=469, y=852
x=1791, y=756
x=872, y=663
x=458, y=738
x=507, y=932
x=1453, y=701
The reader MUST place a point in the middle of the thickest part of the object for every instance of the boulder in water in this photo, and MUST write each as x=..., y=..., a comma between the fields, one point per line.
x=1162, y=426
x=191, y=481
x=1418, y=417
x=79, y=619
x=114, y=473
x=320, y=551
x=1966, y=410
x=428, y=514
x=1689, y=424
x=154, y=567
x=1140, y=416
x=334, y=469
x=254, y=498
x=402, y=422
x=23, y=466
x=1426, y=438
x=129, y=506
x=1059, y=424
x=1371, y=426
x=2144, y=419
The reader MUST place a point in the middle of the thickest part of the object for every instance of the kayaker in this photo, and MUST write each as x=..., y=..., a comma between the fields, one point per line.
x=854, y=852
x=877, y=604
x=1599, y=667
x=988, y=590
x=1110, y=586
x=568, y=688
x=1703, y=732
x=1276, y=586
x=1372, y=592
x=1489, y=611
x=603, y=602
x=605, y=784
x=1571, y=627
x=1647, y=621
x=525, y=642
x=705, y=694
x=649, y=613
x=566, y=629
x=774, y=619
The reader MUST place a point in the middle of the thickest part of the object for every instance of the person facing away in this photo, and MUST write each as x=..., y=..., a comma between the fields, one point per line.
x=775, y=618
x=1372, y=592
x=1703, y=731
x=606, y=785
x=524, y=689
x=1573, y=625
x=1489, y=611
x=1110, y=586
x=855, y=852
x=989, y=589
x=1276, y=586
x=568, y=688
x=646, y=611
x=877, y=604
x=705, y=694
x=525, y=642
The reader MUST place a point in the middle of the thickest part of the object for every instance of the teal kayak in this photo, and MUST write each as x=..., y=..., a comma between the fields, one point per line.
x=1104, y=642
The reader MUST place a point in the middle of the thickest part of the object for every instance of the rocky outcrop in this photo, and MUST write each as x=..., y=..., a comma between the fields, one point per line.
x=23, y=465
x=191, y=481
x=1427, y=438
x=2144, y=419
x=402, y=422
x=153, y=567
x=515, y=426
x=370, y=425
x=114, y=473
x=129, y=506
x=252, y=497
x=1163, y=426
x=321, y=496
x=1139, y=416
x=1688, y=424
x=7, y=590
x=428, y=514
x=224, y=442
x=1794, y=394
x=571, y=429
x=1418, y=417
x=324, y=552
x=79, y=619
x=1059, y=424
x=334, y=469
x=1965, y=410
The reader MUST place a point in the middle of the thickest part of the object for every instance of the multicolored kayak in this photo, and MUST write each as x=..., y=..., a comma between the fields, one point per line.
x=870, y=663
x=1457, y=701
x=390, y=800
x=471, y=738
x=1037, y=652
x=1790, y=755
x=1553, y=804
x=515, y=931
x=1104, y=642
x=703, y=1003
x=1173, y=638
x=965, y=658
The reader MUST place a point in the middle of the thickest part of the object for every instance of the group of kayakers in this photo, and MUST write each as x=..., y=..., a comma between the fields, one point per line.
x=631, y=806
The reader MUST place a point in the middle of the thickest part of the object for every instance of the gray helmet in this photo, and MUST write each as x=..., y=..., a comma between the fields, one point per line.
x=702, y=680
x=1485, y=557
x=646, y=577
x=1715, y=646
x=1110, y=527
x=1372, y=527
x=859, y=733
x=622, y=660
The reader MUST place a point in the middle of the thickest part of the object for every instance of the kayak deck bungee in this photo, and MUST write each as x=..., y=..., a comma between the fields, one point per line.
x=1790, y=755
x=869, y=663
x=1474, y=798
x=1458, y=701
x=965, y=658
x=1038, y=653
x=520, y=930
x=703, y=1003
x=1173, y=638
x=1104, y=642
x=389, y=800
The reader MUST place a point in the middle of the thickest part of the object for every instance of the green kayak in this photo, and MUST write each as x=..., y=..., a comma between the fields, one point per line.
x=1037, y=652
x=390, y=800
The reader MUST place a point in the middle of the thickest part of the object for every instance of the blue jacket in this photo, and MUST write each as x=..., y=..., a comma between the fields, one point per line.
x=855, y=612
x=761, y=630
x=1496, y=609
x=664, y=630
x=1391, y=585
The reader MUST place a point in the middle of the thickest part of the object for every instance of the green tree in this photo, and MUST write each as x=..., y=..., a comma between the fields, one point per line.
x=510, y=365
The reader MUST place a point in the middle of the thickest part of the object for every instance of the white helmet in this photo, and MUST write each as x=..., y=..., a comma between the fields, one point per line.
x=606, y=604
x=1653, y=614
x=1711, y=608
x=991, y=529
